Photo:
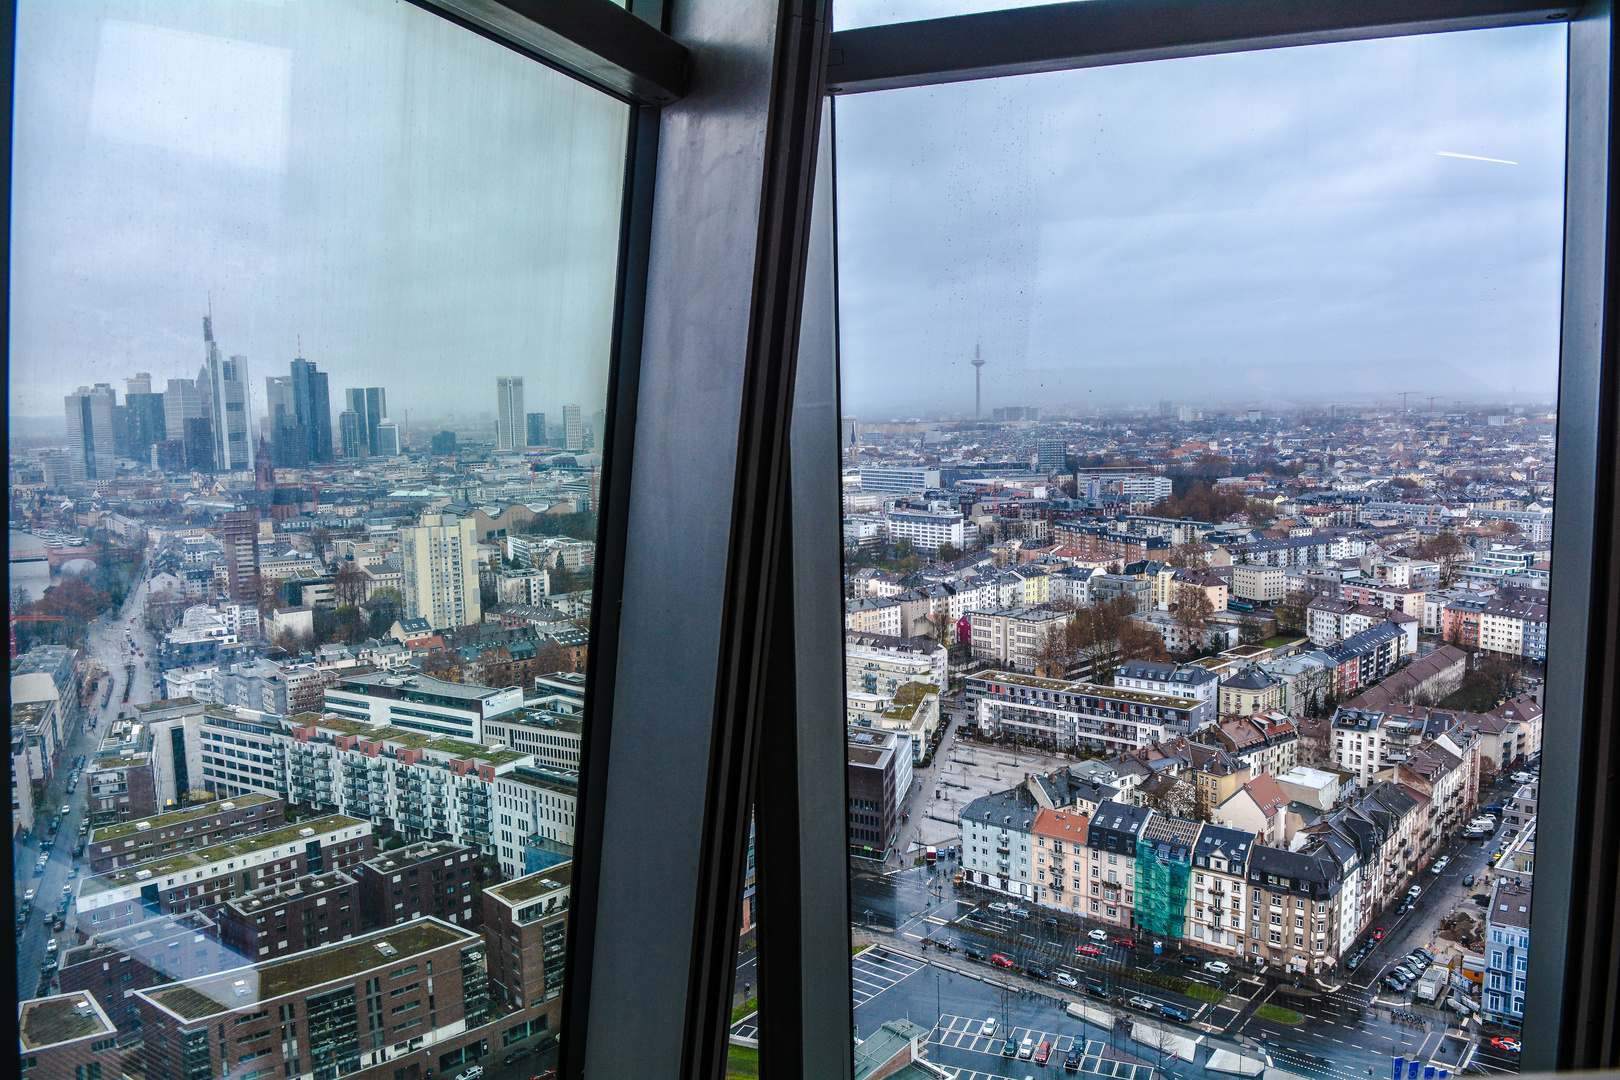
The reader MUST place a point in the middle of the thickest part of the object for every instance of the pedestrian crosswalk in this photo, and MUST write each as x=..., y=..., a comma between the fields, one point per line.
x=875, y=970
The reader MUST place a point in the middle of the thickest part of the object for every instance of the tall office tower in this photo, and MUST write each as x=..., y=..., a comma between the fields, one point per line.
x=370, y=404
x=1050, y=455
x=227, y=404
x=199, y=444
x=388, y=441
x=351, y=438
x=573, y=430
x=120, y=430
x=239, y=535
x=1166, y=409
x=313, y=407
x=509, y=416
x=90, y=432
x=182, y=401
x=537, y=429
x=439, y=558
x=146, y=423
x=444, y=444
x=289, y=438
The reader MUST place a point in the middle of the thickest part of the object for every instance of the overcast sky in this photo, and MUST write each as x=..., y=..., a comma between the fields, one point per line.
x=1283, y=226
x=424, y=209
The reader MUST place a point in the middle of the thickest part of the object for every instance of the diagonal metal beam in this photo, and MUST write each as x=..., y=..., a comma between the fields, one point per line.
x=596, y=41
x=1094, y=33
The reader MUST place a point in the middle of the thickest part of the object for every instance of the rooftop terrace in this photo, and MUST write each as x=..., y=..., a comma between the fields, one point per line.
x=536, y=884
x=49, y=1021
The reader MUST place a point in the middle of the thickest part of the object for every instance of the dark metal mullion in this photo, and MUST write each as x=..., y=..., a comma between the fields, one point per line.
x=615, y=49
x=613, y=515
x=755, y=585
x=1089, y=33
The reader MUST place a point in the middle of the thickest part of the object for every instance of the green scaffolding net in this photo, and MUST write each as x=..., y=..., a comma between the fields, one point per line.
x=1161, y=888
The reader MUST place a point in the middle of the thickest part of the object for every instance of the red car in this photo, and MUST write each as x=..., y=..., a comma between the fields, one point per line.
x=1510, y=1045
x=1378, y=934
x=1125, y=942
x=1088, y=949
x=1000, y=961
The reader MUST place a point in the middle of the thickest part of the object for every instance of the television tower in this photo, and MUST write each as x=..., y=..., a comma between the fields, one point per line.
x=978, y=372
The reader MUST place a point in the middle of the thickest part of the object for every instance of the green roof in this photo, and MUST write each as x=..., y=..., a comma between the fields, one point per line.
x=413, y=740
x=202, y=997
x=536, y=884
x=55, y=1020
x=907, y=698
x=1090, y=690
x=178, y=817
x=242, y=845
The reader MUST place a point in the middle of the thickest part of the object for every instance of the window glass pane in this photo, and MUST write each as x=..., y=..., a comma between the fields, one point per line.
x=1198, y=462
x=307, y=591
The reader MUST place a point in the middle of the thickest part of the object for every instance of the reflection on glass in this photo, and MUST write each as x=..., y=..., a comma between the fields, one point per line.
x=1197, y=514
x=310, y=331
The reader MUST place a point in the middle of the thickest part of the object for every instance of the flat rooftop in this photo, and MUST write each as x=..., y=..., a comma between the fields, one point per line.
x=203, y=997
x=177, y=817
x=411, y=854
x=192, y=860
x=423, y=684
x=1090, y=690
x=49, y=1021
x=536, y=884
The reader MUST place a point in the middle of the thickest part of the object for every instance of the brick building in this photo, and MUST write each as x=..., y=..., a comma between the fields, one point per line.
x=291, y=916
x=434, y=877
x=526, y=924
x=212, y=823
x=66, y=1037
x=152, y=952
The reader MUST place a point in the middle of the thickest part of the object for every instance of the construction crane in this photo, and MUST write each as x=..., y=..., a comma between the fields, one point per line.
x=15, y=619
x=1404, y=395
x=1432, y=399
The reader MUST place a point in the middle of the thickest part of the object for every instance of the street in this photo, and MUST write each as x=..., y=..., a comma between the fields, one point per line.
x=106, y=645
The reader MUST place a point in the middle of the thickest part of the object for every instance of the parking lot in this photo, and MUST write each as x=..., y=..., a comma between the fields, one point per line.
x=875, y=970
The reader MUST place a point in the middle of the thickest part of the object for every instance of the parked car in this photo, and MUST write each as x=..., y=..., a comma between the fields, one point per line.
x=1065, y=979
x=1043, y=1052
x=988, y=1027
x=519, y=1054
x=1125, y=942
x=1050, y=922
x=1143, y=1003
x=1189, y=959
x=1036, y=972
x=1425, y=953
x=1217, y=967
x=1415, y=891
x=1469, y=880
x=1502, y=1042
x=1000, y=907
x=1009, y=1049
x=28, y=896
x=1026, y=1049
x=1173, y=1012
x=473, y=1073
x=1087, y=949
x=1098, y=935
x=1072, y=1062
x=973, y=954
x=1440, y=864
x=1353, y=963
x=1000, y=961
x=1020, y=913
x=1096, y=991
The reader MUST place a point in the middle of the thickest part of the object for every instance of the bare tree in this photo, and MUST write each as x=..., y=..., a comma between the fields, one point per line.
x=1188, y=557
x=349, y=583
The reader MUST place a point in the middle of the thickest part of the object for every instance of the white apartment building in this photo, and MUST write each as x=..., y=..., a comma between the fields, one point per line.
x=898, y=480
x=927, y=530
x=1264, y=584
x=874, y=665
x=421, y=703
x=439, y=558
x=531, y=802
x=1013, y=637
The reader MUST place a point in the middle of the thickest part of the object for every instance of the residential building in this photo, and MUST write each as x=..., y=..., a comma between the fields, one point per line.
x=873, y=615
x=996, y=842
x=1067, y=715
x=165, y=948
x=1249, y=691
x=532, y=802
x=290, y=916
x=878, y=771
x=1257, y=807
x=439, y=557
x=203, y=879
x=1507, y=951
x=879, y=664
x=1171, y=679
x=1164, y=853
x=1060, y=858
x=1013, y=637
x=526, y=923
x=1514, y=627
x=928, y=530
x=353, y=1005
x=431, y=877
x=1112, y=839
x=139, y=841
x=1257, y=583
x=1215, y=914
x=67, y=1037
x=1294, y=908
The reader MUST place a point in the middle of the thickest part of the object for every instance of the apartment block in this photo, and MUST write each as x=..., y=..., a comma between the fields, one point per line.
x=421, y=703
x=66, y=1037
x=202, y=826
x=878, y=768
x=526, y=924
x=1013, y=637
x=164, y=949
x=1258, y=583
x=1067, y=715
x=393, y=997
x=290, y=916
x=434, y=877
x=439, y=557
x=203, y=879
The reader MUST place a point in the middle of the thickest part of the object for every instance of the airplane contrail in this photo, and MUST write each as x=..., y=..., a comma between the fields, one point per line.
x=1474, y=157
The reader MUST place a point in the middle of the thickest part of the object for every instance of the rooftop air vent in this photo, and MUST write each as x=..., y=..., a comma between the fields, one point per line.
x=142, y=875
x=306, y=831
x=227, y=806
x=387, y=949
x=142, y=826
